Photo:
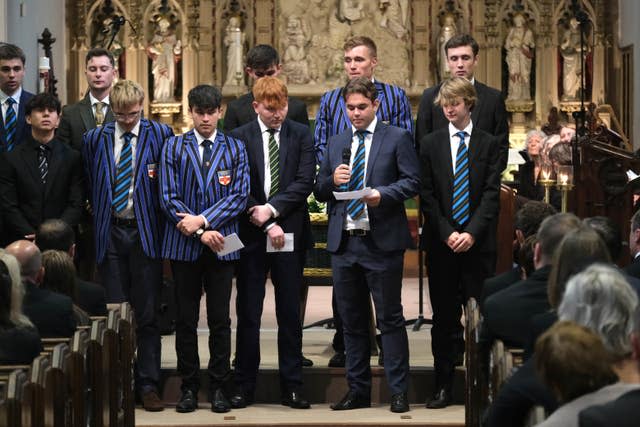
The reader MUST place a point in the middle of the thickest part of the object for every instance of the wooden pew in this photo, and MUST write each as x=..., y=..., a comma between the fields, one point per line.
x=14, y=401
x=475, y=388
x=35, y=388
x=127, y=354
x=97, y=404
x=79, y=379
x=57, y=388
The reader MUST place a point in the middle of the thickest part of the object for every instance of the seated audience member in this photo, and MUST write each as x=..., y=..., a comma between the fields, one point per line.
x=600, y=299
x=523, y=389
x=50, y=312
x=625, y=410
x=60, y=277
x=58, y=235
x=567, y=132
x=633, y=269
x=529, y=172
x=525, y=255
x=507, y=313
x=527, y=221
x=19, y=339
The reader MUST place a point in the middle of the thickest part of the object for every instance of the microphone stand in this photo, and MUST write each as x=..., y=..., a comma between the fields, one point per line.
x=580, y=116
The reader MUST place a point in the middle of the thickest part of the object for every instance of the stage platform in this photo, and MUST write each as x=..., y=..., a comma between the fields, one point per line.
x=322, y=385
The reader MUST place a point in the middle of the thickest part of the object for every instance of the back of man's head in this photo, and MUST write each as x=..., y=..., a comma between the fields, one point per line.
x=531, y=215
x=608, y=231
x=551, y=232
x=29, y=257
x=55, y=234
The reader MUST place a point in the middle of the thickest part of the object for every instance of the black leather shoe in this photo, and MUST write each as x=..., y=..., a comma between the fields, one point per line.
x=294, y=400
x=188, y=401
x=238, y=401
x=352, y=400
x=440, y=400
x=338, y=360
x=306, y=362
x=219, y=403
x=400, y=402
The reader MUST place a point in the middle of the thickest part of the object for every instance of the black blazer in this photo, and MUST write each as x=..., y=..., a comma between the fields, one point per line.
x=297, y=171
x=240, y=112
x=489, y=114
x=50, y=312
x=25, y=202
x=76, y=120
x=622, y=412
x=91, y=298
x=437, y=188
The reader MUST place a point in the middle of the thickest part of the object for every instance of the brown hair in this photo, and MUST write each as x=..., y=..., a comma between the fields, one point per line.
x=271, y=92
x=572, y=361
x=356, y=41
x=361, y=85
x=59, y=273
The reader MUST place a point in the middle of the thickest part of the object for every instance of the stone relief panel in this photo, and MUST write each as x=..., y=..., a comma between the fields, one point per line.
x=311, y=35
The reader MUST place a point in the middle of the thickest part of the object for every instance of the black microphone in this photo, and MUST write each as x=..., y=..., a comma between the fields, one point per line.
x=346, y=156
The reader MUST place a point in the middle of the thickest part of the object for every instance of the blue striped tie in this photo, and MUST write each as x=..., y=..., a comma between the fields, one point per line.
x=460, y=203
x=10, y=121
x=124, y=175
x=355, y=207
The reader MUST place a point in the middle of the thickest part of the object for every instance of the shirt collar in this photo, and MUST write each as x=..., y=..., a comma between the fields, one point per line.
x=93, y=99
x=264, y=128
x=16, y=96
x=135, y=131
x=370, y=128
x=201, y=138
x=467, y=130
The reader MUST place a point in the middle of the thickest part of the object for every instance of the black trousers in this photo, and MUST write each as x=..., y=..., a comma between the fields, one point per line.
x=191, y=278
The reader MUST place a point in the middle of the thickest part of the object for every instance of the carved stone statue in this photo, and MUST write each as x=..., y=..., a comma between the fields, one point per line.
x=571, y=50
x=350, y=10
x=394, y=17
x=164, y=51
x=234, y=41
x=295, y=62
x=519, y=46
x=448, y=30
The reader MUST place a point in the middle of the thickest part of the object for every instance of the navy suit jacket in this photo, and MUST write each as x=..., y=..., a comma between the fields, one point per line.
x=622, y=412
x=50, y=312
x=392, y=169
x=489, y=114
x=297, y=172
x=22, y=128
x=240, y=112
x=437, y=188
x=97, y=153
x=25, y=201
x=332, y=117
x=220, y=198
x=76, y=120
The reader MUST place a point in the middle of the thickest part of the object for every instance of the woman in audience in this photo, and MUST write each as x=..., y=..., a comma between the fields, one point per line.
x=19, y=339
x=601, y=300
x=60, y=276
x=529, y=171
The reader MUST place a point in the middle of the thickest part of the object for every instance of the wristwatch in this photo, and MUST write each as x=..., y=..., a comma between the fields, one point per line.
x=198, y=234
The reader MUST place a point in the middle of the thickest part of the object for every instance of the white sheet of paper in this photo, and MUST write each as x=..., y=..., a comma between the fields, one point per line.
x=232, y=243
x=288, y=244
x=349, y=195
x=631, y=175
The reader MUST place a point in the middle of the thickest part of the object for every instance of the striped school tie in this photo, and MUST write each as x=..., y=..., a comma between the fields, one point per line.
x=43, y=162
x=10, y=122
x=124, y=175
x=460, y=202
x=274, y=163
x=355, y=207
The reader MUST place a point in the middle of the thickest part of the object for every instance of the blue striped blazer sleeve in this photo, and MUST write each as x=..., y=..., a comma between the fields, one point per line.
x=330, y=121
x=395, y=107
x=172, y=197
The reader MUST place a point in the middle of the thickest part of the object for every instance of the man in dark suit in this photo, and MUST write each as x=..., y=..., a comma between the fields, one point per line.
x=489, y=112
x=460, y=201
x=367, y=238
x=50, y=312
x=55, y=234
x=360, y=60
x=282, y=168
x=42, y=177
x=90, y=112
x=204, y=178
x=622, y=412
x=633, y=269
x=262, y=60
x=121, y=161
x=13, y=128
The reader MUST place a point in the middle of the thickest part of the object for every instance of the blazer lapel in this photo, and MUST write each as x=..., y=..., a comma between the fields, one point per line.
x=284, y=147
x=219, y=147
x=86, y=113
x=107, y=145
x=55, y=160
x=255, y=146
x=30, y=159
x=378, y=137
x=475, y=112
x=141, y=151
x=191, y=146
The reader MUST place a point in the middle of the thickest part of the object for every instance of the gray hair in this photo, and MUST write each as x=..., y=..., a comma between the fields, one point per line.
x=601, y=299
x=535, y=132
x=17, y=290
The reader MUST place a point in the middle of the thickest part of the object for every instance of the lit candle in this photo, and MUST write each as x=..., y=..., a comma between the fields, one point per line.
x=564, y=179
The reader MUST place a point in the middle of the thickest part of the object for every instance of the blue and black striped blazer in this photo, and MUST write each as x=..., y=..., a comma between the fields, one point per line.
x=332, y=118
x=100, y=167
x=184, y=189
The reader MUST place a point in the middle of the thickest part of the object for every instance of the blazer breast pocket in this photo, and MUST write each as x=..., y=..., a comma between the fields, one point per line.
x=152, y=171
